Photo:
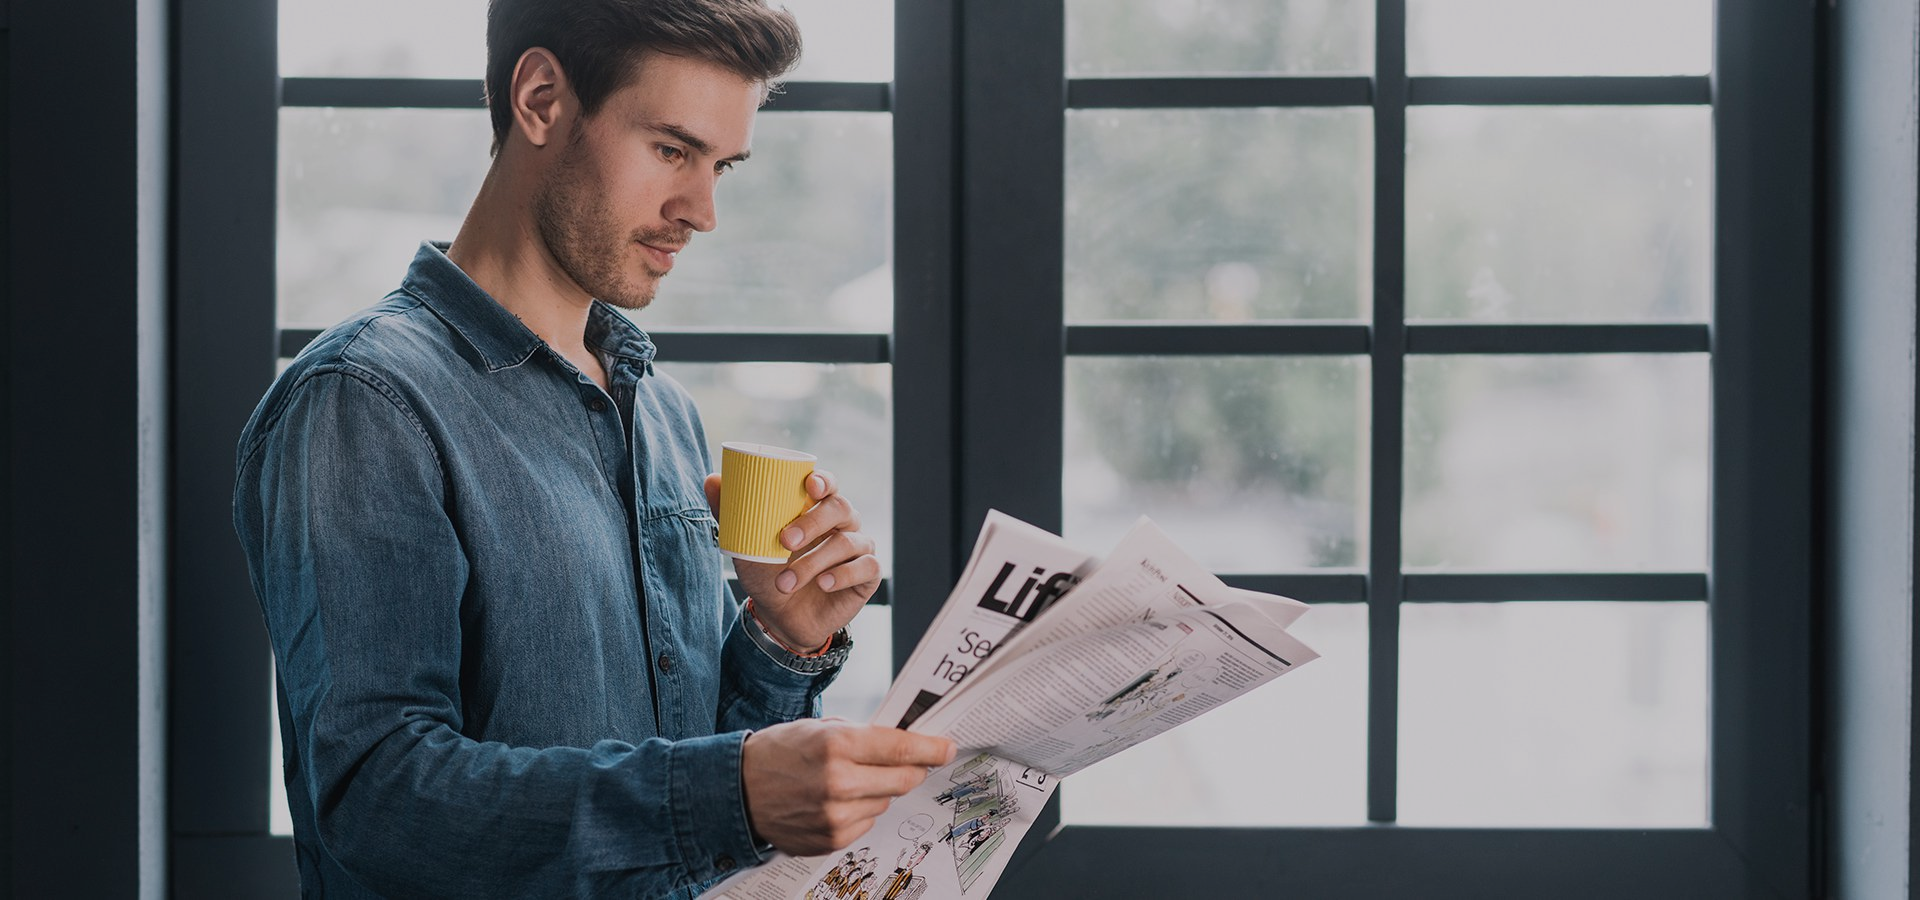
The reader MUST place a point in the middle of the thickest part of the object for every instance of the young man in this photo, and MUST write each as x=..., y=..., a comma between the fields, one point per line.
x=479, y=525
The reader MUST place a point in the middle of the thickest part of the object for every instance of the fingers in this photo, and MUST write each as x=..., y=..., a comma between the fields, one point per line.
x=843, y=560
x=834, y=826
x=814, y=785
x=851, y=781
x=832, y=513
x=713, y=492
x=844, y=823
x=888, y=782
x=878, y=746
x=821, y=484
x=862, y=571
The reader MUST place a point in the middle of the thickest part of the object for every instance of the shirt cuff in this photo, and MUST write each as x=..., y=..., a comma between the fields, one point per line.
x=710, y=804
x=768, y=681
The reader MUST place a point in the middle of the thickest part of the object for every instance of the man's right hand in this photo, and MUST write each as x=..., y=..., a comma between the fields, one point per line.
x=816, y=785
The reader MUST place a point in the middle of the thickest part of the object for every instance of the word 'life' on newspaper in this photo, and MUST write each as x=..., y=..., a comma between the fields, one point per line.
x=1043, y=661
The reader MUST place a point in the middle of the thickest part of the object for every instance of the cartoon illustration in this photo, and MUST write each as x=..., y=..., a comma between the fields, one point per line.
x=1147, y=694
x=903, y=884
x=983, y=803
x=1128, y=716
x=915, y=828
x=850, y=879
x=832, y=881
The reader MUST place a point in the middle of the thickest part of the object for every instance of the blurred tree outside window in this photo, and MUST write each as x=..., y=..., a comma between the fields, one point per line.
x=1522, y=463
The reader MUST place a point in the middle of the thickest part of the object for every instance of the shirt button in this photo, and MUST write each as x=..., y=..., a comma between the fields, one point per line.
x=666, y=663
x=723, y=863
x=597, y=405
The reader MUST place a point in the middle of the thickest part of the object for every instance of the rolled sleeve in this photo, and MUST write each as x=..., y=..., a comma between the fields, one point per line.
x=758, y=690
x=709, y=806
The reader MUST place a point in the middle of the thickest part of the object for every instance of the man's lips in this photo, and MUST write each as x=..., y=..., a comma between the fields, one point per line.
x=661, y=255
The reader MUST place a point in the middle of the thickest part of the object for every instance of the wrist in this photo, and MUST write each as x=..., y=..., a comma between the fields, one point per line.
x=801, y=648
x=811, y=662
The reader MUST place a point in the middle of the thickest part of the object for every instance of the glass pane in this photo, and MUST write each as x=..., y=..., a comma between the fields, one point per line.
x=359, y=190
x=864, y=680
x=1222, y=215
x=380, y=38
x=1553, y=714
x=1251, y=464
x=279, y=813
x=803, y=239
x=1305, y=737
x=1559, y=37
x=1559, y=213
x=840, y=413
x=845, y=40
x=1128, y=37
x=1557, y=463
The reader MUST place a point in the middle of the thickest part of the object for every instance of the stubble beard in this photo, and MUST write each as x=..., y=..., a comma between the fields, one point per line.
x=578, y=227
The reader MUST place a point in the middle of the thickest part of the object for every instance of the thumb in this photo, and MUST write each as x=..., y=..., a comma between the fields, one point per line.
x=713, y=492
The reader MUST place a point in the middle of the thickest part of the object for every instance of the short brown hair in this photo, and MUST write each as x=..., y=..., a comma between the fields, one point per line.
x=600, y=42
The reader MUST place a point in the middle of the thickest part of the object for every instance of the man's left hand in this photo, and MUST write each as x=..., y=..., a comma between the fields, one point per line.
x=830, y=575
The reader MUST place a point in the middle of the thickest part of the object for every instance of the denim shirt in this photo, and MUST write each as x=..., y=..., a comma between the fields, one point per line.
x=500, y=618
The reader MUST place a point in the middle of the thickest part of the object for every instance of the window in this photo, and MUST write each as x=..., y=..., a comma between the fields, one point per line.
x=1442, y=315
x=1482, y=324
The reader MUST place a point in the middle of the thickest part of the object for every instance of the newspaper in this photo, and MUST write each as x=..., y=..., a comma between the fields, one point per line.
x=1043, y=661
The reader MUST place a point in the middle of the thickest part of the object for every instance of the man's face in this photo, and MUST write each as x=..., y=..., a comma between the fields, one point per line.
x=631, y=184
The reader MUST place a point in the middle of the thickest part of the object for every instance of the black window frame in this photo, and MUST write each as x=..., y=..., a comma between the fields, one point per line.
x=1759, y=581
x=977, y=343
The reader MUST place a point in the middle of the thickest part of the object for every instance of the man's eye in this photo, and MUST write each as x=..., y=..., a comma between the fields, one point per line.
x=722, y=167
x=671, y=153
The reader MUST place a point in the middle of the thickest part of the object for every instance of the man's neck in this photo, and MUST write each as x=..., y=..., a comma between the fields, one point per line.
x=498, y=248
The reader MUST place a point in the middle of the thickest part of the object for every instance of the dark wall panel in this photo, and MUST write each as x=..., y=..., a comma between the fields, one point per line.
x=82, y=764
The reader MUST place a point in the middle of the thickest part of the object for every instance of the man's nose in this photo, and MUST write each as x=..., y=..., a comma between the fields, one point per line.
x=693, y=205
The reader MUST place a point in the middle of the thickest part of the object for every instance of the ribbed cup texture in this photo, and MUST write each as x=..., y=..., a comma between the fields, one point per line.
x=760, y=495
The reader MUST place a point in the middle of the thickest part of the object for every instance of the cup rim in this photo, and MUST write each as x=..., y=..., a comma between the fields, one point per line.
x=768, y=451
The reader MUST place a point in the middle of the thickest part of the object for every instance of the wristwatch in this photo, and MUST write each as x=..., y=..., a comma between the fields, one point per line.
x=831, y=658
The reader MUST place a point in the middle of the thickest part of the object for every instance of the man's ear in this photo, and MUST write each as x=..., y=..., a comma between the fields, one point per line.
x=542, y=99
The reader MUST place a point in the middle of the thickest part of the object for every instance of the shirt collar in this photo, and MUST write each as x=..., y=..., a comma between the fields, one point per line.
x=616, y=335
x=501, y=339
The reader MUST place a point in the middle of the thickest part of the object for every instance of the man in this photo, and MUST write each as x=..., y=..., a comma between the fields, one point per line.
x=479, y=522
x=904, y=862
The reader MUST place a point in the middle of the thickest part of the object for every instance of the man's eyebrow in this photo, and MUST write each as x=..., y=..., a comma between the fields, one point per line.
x=684, y=136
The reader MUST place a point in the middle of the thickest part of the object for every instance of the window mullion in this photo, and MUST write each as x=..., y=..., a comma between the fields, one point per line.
x=1388, y=384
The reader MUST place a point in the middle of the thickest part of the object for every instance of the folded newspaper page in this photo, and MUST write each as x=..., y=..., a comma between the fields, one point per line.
x=1043, y=661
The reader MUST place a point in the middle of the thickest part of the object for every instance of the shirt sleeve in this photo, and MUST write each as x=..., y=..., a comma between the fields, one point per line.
x=758, y=688
x=341, y=505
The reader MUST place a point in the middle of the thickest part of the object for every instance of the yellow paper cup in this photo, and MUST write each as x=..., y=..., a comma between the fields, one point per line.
x=762, y=490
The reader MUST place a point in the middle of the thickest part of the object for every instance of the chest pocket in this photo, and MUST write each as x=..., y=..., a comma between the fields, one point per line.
x=683, y=554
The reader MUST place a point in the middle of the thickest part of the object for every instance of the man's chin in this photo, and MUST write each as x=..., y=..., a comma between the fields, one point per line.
x=636, y=297
x=630, y=304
